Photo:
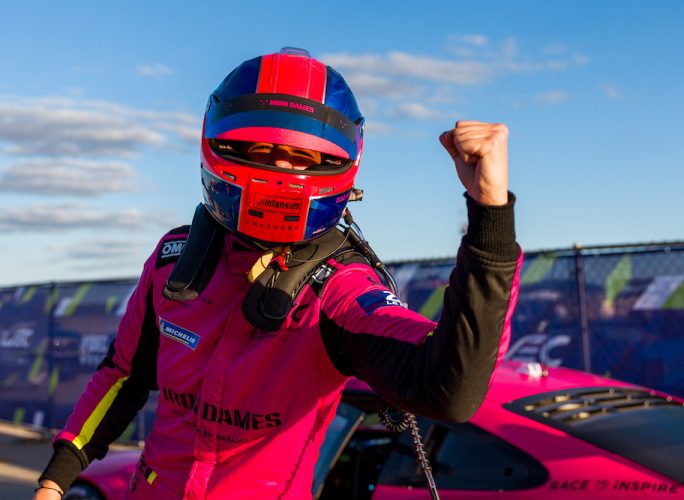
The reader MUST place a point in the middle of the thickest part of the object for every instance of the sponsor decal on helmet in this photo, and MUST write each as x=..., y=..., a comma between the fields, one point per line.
x=179, y=334
x=274, y=204
x=291, y=104
x=375, y=299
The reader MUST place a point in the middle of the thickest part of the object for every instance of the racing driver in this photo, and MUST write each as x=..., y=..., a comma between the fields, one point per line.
x=250, y=321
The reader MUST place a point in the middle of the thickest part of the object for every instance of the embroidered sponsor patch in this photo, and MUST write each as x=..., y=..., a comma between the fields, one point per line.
x=179, y=334
x=170, y=251
x=375, y=299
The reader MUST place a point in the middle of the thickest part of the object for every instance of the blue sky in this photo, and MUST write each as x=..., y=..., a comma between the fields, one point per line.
x=101, y=106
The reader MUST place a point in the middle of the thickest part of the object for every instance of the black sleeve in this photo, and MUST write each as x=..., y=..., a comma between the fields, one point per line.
x=447, y=374
x=68, y=460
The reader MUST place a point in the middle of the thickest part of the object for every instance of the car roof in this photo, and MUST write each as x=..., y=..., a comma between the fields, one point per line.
x=515, y=379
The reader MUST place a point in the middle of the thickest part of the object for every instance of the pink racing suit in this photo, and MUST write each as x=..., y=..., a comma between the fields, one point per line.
x=242, y=412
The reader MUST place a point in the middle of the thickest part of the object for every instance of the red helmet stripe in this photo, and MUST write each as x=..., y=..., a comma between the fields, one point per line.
x=276, y=69
x=266, y=74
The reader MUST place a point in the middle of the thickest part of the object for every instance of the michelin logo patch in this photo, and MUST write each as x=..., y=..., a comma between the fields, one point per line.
x=375, y=299
x=170, y=251
x=175, y=332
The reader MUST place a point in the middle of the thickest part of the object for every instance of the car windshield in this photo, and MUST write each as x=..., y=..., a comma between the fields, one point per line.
x=637, y=424
x=338, y=434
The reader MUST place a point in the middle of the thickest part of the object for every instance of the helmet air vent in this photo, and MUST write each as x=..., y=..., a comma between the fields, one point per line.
x=295, y=51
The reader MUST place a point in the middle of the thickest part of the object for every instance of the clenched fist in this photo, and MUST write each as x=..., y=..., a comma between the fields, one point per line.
x=480, y=153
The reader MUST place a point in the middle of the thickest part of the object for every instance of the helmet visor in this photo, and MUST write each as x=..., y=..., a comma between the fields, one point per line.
x=280, y=157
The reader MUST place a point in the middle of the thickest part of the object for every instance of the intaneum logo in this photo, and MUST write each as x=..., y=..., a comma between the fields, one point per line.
x=274, y=204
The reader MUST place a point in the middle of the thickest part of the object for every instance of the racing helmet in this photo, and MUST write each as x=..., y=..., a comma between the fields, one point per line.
x=285, y=99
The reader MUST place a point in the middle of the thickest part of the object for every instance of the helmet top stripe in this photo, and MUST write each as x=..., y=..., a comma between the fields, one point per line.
x=292, y=74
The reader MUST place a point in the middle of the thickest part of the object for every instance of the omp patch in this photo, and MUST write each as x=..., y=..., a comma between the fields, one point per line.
x=375, y=299
x=179, y=334
x=170, y=251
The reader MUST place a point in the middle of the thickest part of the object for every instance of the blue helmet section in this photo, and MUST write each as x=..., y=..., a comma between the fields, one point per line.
x=222, y=199
x=324, y=214
x=339, y=96
x=242, y=80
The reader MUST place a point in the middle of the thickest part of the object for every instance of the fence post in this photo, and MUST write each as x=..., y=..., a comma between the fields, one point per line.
x=582, y=305
x=49, y=421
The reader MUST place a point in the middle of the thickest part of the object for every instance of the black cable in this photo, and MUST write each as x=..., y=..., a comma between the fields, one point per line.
x=395, y=419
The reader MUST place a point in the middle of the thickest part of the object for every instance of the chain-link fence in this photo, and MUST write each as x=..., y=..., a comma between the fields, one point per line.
x=52, y=337
x=611, y=310
x=617, y=311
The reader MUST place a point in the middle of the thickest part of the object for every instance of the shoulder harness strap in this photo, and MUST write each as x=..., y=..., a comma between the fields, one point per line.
x=199, y=259
x=272, y=295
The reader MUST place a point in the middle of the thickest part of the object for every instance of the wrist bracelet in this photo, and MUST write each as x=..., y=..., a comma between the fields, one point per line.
x=61, y=493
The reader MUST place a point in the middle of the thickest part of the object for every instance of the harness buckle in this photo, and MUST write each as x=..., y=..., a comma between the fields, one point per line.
x=323, y=272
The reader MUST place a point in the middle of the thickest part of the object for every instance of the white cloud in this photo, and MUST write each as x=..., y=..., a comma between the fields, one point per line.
x=471, y=59
x=377, y=128
x=477, y=40
x=579, y=59
x=58, y=126
x=415, y=110
x=554, y=49
x=465, y=46
x=65, y=216
x=611, y=92
x=97, y=249
x=439, y=70
x=66, y=177
x=366, y=84
x=552, y=97
x=405, y=65
x=510, y=48
x=189, y=134
x=154, y=70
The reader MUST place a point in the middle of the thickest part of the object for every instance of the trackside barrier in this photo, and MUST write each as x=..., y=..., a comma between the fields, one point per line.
x=611, y=310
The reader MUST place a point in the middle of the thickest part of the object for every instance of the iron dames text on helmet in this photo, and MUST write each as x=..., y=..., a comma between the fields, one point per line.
x=290, y=99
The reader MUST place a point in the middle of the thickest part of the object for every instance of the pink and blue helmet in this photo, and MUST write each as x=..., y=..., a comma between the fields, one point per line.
x=286, y=98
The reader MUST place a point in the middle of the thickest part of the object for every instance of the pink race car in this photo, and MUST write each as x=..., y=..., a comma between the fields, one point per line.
x=540, y=433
